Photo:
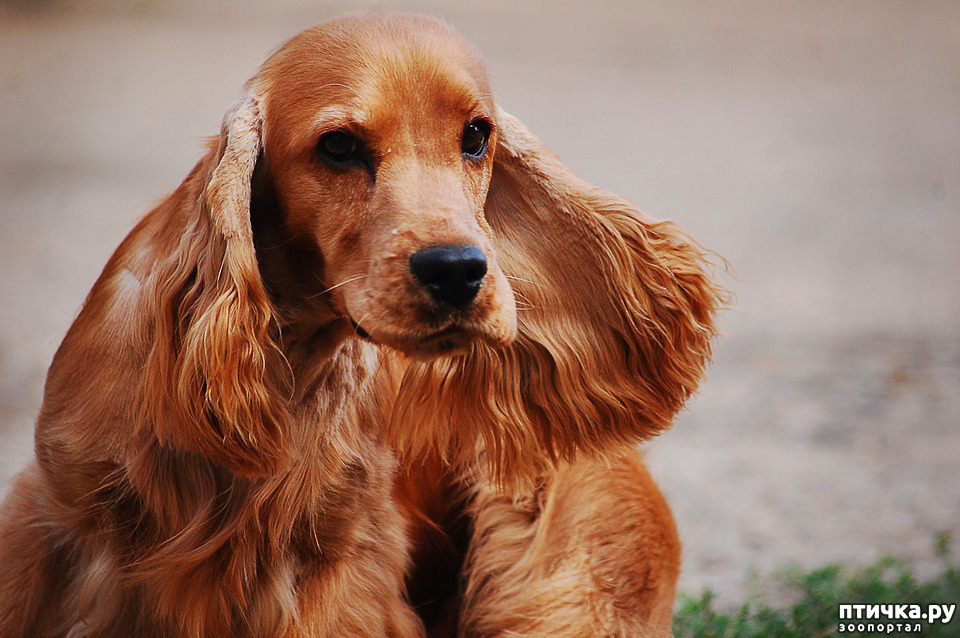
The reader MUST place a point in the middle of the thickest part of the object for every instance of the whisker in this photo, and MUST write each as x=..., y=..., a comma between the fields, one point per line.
x=342, y=283
x=280, y=245
x=522, y=298
x=526, y=281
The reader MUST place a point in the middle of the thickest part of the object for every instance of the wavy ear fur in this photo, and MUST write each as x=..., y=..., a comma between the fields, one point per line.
x=211, y=381
x=615, y=316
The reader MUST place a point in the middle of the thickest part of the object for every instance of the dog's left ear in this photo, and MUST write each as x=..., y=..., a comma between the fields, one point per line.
x=615, y=321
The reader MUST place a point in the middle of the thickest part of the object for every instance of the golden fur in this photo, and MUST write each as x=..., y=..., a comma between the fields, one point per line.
x=260, y=424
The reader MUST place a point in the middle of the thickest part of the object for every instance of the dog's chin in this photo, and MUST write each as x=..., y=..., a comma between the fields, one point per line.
x=446, y=343
x=427, y=344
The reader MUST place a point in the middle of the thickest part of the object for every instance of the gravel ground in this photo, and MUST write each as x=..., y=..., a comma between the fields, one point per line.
x=815, y=145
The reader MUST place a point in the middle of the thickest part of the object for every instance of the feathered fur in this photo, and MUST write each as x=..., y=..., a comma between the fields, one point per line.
x=260, y=424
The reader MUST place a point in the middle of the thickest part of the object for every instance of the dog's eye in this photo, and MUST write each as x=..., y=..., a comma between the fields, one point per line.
x=474, y=141
x=339, y=147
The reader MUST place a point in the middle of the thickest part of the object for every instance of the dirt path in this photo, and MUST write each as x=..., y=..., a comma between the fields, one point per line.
x=816, y=145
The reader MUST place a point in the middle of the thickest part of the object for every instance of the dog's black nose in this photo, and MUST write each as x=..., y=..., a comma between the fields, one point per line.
x=451, y=274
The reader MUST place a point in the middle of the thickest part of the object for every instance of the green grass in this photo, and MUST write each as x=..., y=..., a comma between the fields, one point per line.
x=818, y=594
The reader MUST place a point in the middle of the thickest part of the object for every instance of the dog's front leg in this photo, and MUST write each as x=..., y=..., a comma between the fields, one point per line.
x=593, y=552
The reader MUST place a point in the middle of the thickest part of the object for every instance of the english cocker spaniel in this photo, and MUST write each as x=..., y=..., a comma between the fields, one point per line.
x=377, y=367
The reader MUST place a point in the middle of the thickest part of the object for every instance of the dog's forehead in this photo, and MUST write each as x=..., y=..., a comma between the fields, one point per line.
x=374, y=68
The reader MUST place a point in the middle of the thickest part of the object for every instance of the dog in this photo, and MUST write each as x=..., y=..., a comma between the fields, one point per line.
x=377, y=367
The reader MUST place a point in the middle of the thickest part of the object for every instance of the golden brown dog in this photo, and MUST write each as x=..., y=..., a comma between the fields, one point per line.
x=375, y=368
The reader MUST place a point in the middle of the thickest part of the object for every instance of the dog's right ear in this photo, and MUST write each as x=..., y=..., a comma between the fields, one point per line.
x=213, y=382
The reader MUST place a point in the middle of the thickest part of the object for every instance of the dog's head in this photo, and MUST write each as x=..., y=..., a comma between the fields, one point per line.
x=378, y=139
x=368, y=186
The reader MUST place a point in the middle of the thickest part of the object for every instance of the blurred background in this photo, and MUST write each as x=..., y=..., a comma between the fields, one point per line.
x=815, y=145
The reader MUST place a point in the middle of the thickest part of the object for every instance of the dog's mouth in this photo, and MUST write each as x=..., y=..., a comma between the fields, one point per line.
x=360, y=331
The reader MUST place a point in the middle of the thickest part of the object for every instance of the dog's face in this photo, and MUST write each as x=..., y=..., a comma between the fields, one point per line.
x=381, y=151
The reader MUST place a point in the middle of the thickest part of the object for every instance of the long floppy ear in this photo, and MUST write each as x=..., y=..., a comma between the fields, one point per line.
x=213, y=381
x=615, y=315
